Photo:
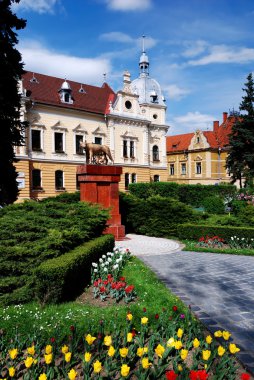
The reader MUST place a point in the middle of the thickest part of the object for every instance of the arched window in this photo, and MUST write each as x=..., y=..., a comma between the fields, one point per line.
x=59, y=185
x=126, y=180
x=156, y=153
x=36, y=179
x=67, y=97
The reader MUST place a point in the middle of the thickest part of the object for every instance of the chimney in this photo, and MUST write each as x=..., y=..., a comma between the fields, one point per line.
x=215, y=126
x=225, y=116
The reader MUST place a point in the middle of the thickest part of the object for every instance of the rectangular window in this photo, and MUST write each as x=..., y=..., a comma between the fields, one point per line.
x=156, y=178
x=59, y=185
x=36, y=140
x=79, y=139
x=59, y=142
x=126, y=180
x=36, y=179
x=98, y=140
x=133, y=178
x=183, y=169
x=198, y=168
x=172, y=169
x=125, y=149
x=132, y=154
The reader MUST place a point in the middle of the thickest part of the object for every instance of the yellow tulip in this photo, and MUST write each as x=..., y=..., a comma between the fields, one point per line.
x=196, y=343
x=171, y=342
x=140, y=351
x=129, y=337
x=48, y=358
x=125, y=370
x=145, y=363
x=180, y=368
x=221, y=351
x=129, y=316
x=65, y=349
x=107, y=340
x=123, y=352
x=29, y=361
x=144, y=320
x=206, y=354
x=31, y=350
x=218, y=334
x=72, y=374
x=179, y=333
x=145, y=350
x=13, y=353
x=67, y=357
x=97, y=367
x=178, y=345
x=12, y=371
x=226, y=335
x=209, y=339
x=111, y=351
x=87, y=357
x=48, y=349
x=233, y=349
x=43, y=376
x=184, y=354
x=159, y=350
x=90, y=339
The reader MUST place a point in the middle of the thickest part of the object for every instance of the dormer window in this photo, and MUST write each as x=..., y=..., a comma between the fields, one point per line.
x=198, y=139
x=154, y=96
x=65, y=93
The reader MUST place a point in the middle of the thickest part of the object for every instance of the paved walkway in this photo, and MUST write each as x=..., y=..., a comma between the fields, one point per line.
x=219, y=288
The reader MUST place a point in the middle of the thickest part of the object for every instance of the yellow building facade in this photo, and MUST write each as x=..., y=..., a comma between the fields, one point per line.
x=61, y=114
x=200, y=157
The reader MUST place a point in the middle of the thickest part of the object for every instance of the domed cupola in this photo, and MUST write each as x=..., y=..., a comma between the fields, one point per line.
x=148, y=89
x=65, y=92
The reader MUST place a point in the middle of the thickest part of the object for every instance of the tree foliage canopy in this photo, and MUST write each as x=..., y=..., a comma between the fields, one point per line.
x=240, y=161
x=11, y=69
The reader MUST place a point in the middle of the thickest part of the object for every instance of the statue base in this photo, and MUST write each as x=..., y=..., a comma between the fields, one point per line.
x=100, y=184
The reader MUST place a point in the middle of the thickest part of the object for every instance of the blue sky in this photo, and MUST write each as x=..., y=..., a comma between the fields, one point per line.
x=200, y=51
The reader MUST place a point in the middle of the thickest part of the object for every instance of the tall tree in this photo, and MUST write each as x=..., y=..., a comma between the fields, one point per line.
x=11, y=128
x=240, y=160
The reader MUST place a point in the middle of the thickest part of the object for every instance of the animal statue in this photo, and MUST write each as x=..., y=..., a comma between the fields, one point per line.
x=96, y=153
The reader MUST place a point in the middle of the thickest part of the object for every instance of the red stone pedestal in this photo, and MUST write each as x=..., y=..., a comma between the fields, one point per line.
x=99, y=184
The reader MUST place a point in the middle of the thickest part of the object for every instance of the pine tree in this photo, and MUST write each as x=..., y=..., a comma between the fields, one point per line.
x=240, y=160
x=11, y=69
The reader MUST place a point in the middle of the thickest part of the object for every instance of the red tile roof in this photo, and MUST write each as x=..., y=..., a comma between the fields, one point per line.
x=219, y=137
x=45, y=90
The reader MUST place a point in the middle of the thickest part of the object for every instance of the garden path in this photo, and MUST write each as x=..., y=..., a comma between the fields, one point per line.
x=219, y=287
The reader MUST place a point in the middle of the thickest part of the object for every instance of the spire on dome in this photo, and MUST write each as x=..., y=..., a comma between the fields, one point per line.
x=144, y=61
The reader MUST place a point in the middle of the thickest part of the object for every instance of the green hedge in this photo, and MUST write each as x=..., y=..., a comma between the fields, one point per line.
x=189, y=194
x=194, y=232
x=155, y=216
x=33, y=232
x=65, y=277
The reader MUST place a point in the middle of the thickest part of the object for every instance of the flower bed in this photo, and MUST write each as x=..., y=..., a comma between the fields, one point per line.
x=106, y=279
x=176, y=349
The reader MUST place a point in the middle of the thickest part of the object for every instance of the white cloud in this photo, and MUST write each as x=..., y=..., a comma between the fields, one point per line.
x=129, y=5
x=225, y=54
x=194, y=48
x=39, y=6
x=40, y=59
x=174, y=92
x=190, y=122
x=117, y=37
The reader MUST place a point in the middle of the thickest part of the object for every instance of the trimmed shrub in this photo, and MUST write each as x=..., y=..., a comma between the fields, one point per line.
x=32, y=232
x=154, y=216
x=195, y=232
x=65, y=277
x=238, y=206
x=193, y=195
x=214, y=205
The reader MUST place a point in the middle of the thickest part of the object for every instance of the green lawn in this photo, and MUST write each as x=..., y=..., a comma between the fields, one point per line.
x=32, y=322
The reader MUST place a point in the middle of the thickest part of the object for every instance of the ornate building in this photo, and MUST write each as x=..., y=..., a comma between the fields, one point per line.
x=63, y=113
x=200, y=157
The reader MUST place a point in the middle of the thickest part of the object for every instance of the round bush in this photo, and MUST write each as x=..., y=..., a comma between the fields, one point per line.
x=214, y=205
